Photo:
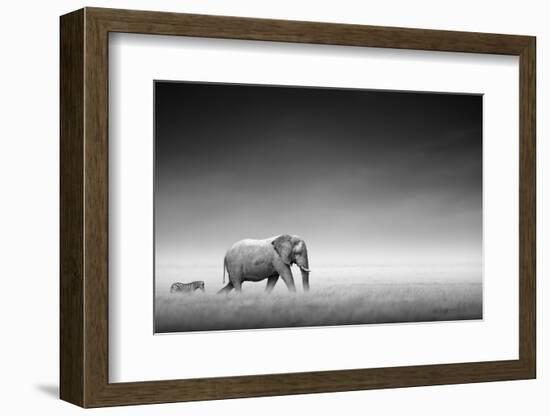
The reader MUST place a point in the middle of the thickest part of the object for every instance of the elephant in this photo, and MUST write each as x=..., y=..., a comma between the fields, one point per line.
x=270, y=258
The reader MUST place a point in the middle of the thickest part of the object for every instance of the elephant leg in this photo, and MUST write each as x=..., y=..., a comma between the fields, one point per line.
x=286, y=275
x=227, y=288
x=237, y=284
x=271, y=281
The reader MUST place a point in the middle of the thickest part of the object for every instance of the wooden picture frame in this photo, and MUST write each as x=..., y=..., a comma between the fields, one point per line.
x=84, y=207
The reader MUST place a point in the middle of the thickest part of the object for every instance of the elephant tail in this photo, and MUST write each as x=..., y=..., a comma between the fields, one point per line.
x=224, y=266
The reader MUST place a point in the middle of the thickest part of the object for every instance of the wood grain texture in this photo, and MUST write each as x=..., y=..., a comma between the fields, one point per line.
x=527, y=208
x=84, y=207
x=71, y=297
x=96, y=226
x=162, y=23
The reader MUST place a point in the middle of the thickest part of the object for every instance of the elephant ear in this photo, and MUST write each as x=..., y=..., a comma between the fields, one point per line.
x=283, y=246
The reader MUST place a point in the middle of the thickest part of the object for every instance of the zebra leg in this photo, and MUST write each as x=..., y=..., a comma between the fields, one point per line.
x=227, y=288
x=271, y=281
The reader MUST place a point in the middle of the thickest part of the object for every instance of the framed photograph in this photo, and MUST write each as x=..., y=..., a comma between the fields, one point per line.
x=256, y=207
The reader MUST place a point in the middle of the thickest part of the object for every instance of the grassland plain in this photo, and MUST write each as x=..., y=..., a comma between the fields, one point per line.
x=327, y=304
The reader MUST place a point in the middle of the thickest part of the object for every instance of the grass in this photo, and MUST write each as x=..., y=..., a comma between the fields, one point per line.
x=330, y=305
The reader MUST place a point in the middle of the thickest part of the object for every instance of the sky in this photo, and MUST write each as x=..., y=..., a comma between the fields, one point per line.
x=364, y=176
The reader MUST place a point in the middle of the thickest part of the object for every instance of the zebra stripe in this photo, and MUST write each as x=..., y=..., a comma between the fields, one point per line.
x=187, y=287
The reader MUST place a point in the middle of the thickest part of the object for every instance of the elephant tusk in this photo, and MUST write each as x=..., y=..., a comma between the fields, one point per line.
x=305, y=269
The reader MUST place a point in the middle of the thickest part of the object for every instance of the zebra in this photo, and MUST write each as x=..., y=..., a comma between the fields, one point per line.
x=187, y=287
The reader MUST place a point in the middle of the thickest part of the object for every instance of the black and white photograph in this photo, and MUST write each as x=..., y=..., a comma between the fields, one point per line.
x=281, y=206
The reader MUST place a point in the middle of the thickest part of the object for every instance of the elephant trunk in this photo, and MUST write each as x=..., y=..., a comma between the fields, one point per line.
x=305, y=279
x=304, y=269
